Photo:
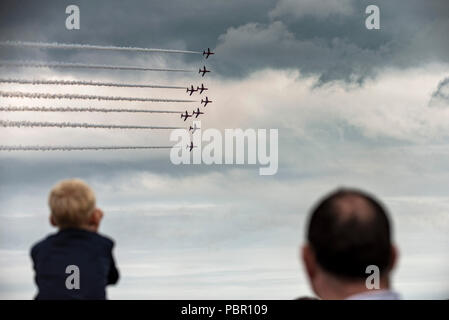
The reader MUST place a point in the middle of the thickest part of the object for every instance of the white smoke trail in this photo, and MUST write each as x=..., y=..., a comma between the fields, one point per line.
x=31, y=124
x=85, y=109
x=79, y=148
x=55, y=45
x=38, y=95
x=32, y=64
x=88, y=83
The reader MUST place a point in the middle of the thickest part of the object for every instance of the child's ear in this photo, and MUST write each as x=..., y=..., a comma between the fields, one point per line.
x=99, y=214
x=96, y=217
x=52, y=221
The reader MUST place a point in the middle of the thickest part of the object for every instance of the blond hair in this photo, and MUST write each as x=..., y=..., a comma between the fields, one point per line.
x=71, y=203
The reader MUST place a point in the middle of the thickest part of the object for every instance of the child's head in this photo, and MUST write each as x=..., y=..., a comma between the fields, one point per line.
x=72, y=205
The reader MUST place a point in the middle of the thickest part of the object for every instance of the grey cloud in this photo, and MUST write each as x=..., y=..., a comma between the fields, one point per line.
x=329, y=40
x=170, y=219
x=318, y=8
x=339, y=47
x=175, y=23
x=440, y=97
x=442, y=90
x=262, y=43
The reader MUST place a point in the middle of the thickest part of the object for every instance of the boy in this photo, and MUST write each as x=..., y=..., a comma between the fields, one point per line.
x=76, y=262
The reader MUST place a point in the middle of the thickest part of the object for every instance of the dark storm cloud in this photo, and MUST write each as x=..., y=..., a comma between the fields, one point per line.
x=328, y=39
x=170, y=24
x=338, y=46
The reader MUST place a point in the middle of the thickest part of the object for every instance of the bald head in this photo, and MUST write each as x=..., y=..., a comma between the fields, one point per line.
x=348, y=231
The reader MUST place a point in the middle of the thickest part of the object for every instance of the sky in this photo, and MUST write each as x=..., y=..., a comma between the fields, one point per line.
x=354, y=107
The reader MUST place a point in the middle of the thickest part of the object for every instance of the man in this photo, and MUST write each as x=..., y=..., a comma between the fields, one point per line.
x=348, y=232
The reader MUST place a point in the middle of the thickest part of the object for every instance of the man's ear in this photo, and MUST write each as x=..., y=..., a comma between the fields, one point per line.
x=308, y=258
x=394, y=256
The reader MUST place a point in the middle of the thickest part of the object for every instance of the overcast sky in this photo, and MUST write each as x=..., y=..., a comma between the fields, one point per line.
x=354, y=107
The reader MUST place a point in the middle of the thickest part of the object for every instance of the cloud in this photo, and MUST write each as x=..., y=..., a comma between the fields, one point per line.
x=440, y=98
x=332, y=59
x=180, y=245
x=323, y=38
x=391, y=108
x=319, y=8
x=384, y=110
x=339, y=48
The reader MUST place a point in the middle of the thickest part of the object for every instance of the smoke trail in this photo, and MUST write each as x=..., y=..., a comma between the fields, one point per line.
x=86, y=109
x=80, y=148
x=31, y=124
x=38, y=95
x=88, y=83
x=33, y=64
x=55, y=45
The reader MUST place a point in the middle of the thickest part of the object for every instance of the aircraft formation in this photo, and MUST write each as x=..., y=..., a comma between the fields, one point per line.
x=204, y=102
x=198, y=111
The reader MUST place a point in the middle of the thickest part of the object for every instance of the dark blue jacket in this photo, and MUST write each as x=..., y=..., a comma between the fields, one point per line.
x=89, y=251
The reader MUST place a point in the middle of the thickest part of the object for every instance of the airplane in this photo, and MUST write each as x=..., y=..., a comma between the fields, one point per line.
x=206, y=101
x=191, y=146
x=207, y=53
x=197, y=113
x=191, y=90
x=194, y=128
x=201, y=89
x=203, y=71
x=186, y=115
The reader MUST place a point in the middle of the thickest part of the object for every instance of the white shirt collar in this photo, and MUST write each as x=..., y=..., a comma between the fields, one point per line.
x=375, y=295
